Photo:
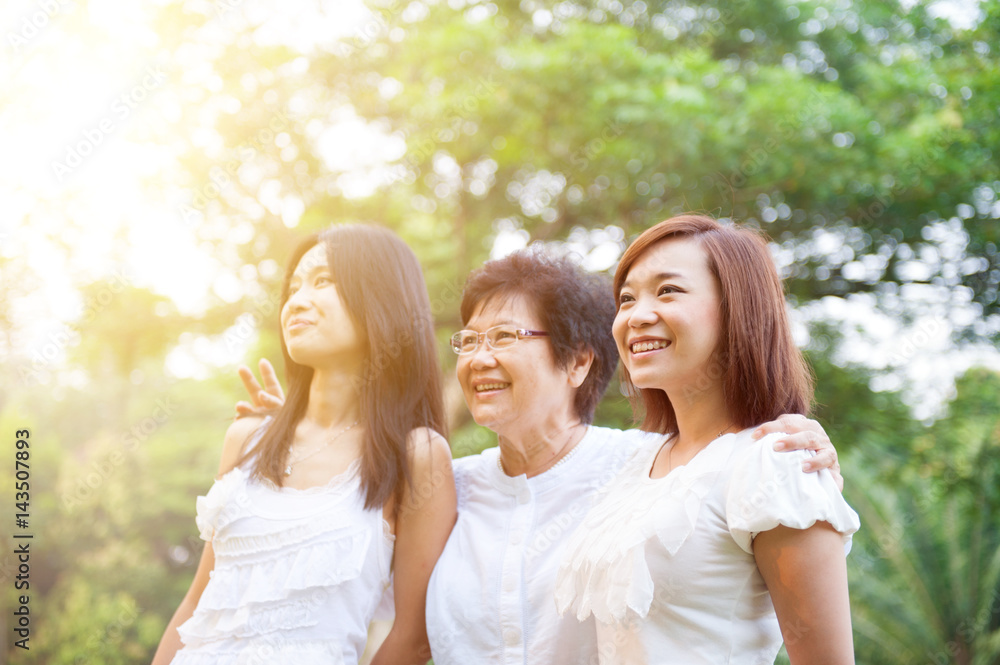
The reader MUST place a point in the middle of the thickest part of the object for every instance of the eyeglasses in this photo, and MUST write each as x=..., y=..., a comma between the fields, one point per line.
x=497, y=337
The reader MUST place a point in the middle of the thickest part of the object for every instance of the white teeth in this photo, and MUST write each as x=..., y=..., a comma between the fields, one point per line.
x=649, y=346
x=490, y=386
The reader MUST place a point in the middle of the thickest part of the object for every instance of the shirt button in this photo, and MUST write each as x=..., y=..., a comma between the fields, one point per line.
x=523, y=498
x=508, y=586
x=515, y=538
x=512, y=637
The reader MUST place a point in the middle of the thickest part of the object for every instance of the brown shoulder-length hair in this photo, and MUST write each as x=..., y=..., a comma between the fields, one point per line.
x=763, y=373
x=382, y=287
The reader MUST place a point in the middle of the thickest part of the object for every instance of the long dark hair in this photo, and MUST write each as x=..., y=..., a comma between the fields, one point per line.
x=382, y=287
x=763, y=373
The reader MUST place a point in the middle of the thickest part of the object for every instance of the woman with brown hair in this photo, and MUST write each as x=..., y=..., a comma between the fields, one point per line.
x=347, y=488
x=709, y=546
x=533, y=359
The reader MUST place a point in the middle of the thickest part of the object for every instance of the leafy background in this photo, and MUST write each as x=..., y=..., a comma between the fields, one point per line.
x=139, y=260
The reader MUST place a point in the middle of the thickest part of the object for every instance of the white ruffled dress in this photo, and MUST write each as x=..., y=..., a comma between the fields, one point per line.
x=298, y=574
x=666, y=565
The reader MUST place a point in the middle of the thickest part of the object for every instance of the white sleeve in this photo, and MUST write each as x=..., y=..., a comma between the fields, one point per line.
x=768, y=488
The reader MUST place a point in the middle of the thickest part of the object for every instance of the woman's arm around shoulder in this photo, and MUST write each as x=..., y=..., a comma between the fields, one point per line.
x=806, y=574
x=236, y=437
x=424, y=519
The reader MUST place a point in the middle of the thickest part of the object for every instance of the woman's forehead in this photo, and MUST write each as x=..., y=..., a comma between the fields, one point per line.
x=314, y=258
x=499, y=309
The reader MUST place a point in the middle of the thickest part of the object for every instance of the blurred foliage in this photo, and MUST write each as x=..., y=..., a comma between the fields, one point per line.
x=860, y=136
x=925, y=570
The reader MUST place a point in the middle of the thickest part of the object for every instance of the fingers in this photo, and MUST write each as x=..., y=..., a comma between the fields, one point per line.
x=799, y=441
x=789, y=422
x=249, y=381
x=244, y=409
x=271, y=383
x=825, y=459
x=268, y=401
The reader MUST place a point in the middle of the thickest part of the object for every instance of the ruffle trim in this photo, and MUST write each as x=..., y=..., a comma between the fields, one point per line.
x=251, y=621
x=222, y=504
x=605, y=572
x=266, y=651
x=768, y=489
x=324, y=563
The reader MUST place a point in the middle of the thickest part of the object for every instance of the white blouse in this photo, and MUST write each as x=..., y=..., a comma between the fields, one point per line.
x=298, y=573
x=490, y=598
x=666, y=565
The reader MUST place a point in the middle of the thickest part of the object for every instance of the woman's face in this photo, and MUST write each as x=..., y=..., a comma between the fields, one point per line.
x=315, y=324
x=668, y=323
x=518, y=389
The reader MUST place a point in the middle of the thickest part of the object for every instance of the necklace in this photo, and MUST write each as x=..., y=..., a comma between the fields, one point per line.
x=670, y=450
x=562, y=460
x=291, y=463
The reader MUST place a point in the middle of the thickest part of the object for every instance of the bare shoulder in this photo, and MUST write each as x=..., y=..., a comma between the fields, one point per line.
x=432, y=482
x=428, y=449
x=237, y=436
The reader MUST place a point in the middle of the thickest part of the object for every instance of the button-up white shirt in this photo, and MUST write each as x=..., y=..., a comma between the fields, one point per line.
x=490, y=600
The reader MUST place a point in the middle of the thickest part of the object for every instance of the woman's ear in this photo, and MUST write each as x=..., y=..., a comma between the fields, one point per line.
x=579, y=366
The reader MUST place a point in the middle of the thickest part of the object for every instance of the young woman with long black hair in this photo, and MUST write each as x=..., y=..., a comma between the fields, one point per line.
x=346, y=489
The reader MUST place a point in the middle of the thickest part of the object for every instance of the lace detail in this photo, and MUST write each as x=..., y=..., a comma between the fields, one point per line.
x=605, y=571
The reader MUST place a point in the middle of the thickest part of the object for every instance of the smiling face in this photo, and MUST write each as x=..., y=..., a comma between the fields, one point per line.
x=668, y=322
x=517, y=389
x=315, y=324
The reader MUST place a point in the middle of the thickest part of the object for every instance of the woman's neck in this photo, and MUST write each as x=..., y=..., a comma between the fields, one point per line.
x=334, y=397
x=701, y=418
x=535, y=451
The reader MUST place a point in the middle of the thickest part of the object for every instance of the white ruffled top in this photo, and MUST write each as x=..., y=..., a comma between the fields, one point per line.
x=666, y=565
x=298, y=573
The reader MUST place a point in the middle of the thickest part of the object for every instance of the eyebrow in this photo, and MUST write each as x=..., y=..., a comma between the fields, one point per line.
x=505, y=322
x=311, y=271
x=658, y=277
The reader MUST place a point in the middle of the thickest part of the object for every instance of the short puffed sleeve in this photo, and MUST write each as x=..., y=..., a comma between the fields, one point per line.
x=768, y=488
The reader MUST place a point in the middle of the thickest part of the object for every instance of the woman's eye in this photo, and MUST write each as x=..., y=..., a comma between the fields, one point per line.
x=624, y=298
x=323, y=280
x=667, y=289
x=505, y=334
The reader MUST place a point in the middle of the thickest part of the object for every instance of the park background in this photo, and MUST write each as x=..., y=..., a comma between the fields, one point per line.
x=161, y=159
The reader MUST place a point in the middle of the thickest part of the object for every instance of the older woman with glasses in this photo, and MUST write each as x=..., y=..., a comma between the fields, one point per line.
x=533, y=362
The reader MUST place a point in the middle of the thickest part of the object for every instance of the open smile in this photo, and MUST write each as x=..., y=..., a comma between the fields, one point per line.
x=646, y=345
x=490, y=387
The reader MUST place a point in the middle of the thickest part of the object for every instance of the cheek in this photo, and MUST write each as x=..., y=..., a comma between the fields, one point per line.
x=618, y=329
